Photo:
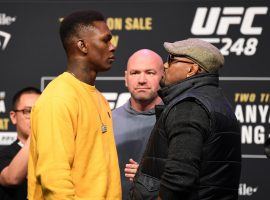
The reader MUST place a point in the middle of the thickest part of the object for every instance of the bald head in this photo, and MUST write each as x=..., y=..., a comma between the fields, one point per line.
x=145, y=57
x=143, y=74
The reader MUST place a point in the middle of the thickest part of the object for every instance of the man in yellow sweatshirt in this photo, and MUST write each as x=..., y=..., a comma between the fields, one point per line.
x=72, y=150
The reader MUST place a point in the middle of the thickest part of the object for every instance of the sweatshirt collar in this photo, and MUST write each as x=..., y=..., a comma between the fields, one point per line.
x=129, y=109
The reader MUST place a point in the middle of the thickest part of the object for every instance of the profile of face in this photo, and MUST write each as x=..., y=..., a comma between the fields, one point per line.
x=20, y=117
x=143, y=74
x=97, y=46
x=178, y=69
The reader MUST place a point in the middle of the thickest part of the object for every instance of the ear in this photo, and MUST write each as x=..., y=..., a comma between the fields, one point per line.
x=12, y=116
x=166, y=66
x=82, y=46
x=126, y=78
x=193, y=70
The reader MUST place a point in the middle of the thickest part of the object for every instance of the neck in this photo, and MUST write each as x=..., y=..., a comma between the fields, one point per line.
x=21, y=138
x=144, y=105
x=82, y=71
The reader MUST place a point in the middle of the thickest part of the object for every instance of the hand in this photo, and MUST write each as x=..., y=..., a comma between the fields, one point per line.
x=131, y=169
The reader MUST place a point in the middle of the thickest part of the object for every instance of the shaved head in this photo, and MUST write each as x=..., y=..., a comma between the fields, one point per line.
x=145, y=57
x=77, y=22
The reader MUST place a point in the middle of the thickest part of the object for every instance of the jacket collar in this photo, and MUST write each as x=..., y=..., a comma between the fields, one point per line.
x=168, y=93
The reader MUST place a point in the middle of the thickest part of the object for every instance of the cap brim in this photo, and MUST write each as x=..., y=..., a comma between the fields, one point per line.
x=168, y=47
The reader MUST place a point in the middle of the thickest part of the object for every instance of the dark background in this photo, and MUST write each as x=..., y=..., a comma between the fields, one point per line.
x=34, y=53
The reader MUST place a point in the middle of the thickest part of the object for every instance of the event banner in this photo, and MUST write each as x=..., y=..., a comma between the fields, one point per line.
x=31, y=54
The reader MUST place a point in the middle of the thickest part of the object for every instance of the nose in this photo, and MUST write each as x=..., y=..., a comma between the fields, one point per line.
x=112, y=47
x=142, y=78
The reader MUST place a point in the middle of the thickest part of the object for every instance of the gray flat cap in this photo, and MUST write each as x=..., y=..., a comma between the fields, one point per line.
x=201, y=52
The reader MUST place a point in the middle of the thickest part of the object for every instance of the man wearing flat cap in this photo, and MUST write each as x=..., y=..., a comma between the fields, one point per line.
x=194, y=151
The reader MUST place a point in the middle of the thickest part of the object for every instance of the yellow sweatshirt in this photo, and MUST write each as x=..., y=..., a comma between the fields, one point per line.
x=70, y=157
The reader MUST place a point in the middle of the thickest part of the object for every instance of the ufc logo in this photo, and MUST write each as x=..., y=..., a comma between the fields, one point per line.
x=221, y=21
x=116, y=100
x=4, y=39
x=2, y=102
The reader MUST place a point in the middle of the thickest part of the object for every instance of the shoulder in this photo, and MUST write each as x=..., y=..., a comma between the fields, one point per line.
x=189, y=105
x=120, y=110
x=62, y=85
x=189, y=115
x=9, y=149
x=59, y=92
x=188, y=110
x=119, y=117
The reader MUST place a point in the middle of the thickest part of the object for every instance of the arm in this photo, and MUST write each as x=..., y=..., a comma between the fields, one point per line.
x=131, y=169
x=186, y=126
x=54, y=133
x=16, y=171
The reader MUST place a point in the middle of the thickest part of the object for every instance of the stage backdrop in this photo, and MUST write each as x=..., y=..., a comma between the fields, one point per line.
x=31, y=55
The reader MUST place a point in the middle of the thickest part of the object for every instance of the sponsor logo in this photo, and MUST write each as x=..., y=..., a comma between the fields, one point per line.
x=245, y=190
x=219, y=21
x=4, y=36
x=6, y=20
x=4, y=121
x=116, y=99
x=2, y=102
x=6, y=138
x=4, y=39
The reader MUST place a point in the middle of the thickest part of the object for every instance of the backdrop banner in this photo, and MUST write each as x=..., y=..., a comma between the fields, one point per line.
x=31, y=54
